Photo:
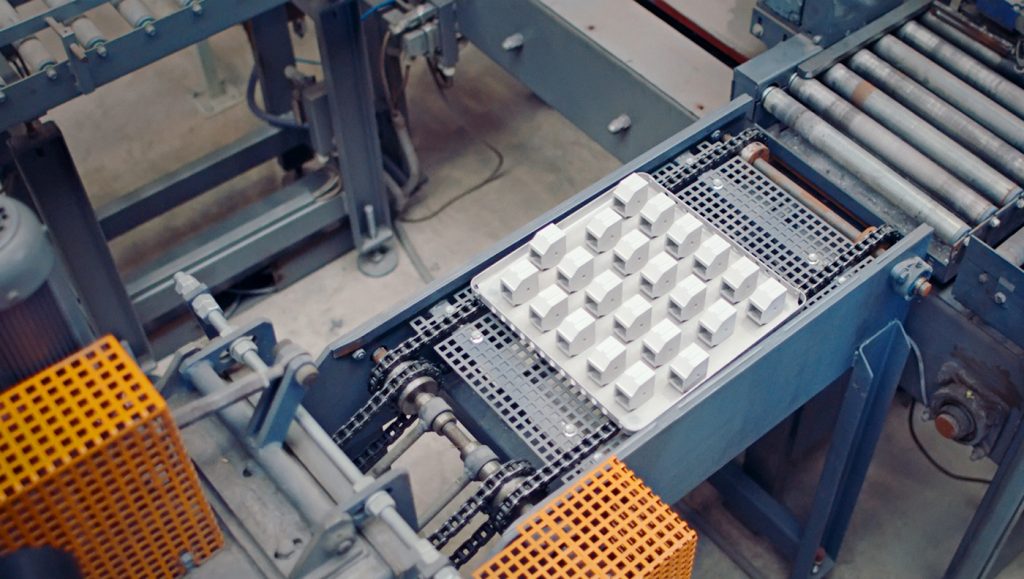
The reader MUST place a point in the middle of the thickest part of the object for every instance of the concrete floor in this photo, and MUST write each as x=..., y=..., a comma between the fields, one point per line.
x=909, y=518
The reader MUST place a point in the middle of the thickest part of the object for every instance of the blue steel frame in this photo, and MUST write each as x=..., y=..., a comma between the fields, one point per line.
x=731, y=411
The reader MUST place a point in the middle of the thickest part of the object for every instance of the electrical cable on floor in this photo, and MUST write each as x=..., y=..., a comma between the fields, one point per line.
x=935, y=463
x=920, y=371
x=414, y=256
x=274, y=121
x=494, y=175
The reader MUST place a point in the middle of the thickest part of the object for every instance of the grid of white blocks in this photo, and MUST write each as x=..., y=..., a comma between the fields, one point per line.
x=636, y=300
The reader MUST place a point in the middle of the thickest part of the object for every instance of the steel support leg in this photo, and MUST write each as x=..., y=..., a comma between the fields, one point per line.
x=350, y=95
x=878, y=365
x=979, y=553
x=49, y=175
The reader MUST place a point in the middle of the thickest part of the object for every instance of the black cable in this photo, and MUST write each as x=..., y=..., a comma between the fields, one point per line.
x=935, y=463
x=274, y=121
x=494, y=175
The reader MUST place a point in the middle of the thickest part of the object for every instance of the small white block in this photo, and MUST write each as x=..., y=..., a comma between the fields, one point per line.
x=767, y=301
x=633, y=319
x=687, y=299
x=684, y=236
x=549, y=308
x=717, y=323
x=662, y=343
x=576, y=333
x=657, y=215
x=606, y=361
x=632, y=252
x=712, y=257
x=604, y=294
x=576, y=270
x=740, y=280
x=635, y=386
x=630, y=195
x=659, y=276
x=688, y=368
x=547, y=247
x=520, y=282
x=604, y=230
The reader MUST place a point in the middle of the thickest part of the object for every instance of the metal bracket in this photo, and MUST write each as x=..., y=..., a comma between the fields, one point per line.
x=276, y=408
x=218, y=351
x=78, y=56
x=335, y=535
x=909, y=278
x=993, y=288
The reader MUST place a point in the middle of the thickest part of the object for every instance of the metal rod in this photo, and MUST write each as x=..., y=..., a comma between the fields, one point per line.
x=1013, y=248
x=341, y=461
x=896, y=152
x=954, y=123
x=957, y=92
x=948, y=227
x=991, y=58
x=965, y=66
x=922, y=135
x=309, y=499
x=757, y=155
x=398, y=450
x=442, y=501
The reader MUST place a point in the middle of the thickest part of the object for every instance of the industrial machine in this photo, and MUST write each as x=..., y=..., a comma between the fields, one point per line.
x=848, y=224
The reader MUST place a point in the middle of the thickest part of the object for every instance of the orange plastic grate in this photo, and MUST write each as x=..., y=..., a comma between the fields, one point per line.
x=607, y=525
x=93, y=463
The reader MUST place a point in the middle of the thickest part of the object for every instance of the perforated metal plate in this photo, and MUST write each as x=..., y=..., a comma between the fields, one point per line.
x=690, y=302
x=521, y=388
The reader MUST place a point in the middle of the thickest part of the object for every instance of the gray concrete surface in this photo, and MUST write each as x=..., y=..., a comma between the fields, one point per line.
x=909, y=519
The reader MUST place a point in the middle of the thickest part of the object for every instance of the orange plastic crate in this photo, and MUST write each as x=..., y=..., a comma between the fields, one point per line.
x=93, y=463
x=609, y=524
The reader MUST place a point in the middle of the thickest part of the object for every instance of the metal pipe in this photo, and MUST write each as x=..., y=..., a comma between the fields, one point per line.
x=957, y=92
x=896, y=152
x=398, y=450
x=309, y=499
x=954, y=123
x=921, y=134
x=1013, y=248
x=962, y=40
x=948, y=227
x=30, y=48
x=964, y=66
x=757, y=155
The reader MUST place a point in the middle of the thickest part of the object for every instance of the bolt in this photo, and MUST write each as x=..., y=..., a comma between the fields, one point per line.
x=102, y=50
x=149, y=28
x=3, y=97
x=569, y=429
x=619, y=124
x=716, y=136
x=757, y=29
x=51, y=73
x=379, y=354
x=813, y=258
x=816, y=39
x=999, y=298
x=359, y=354
x=1020, y=202
x=197, y=9
x=717, y=183
x=994, y=222
x=512, y=42
x=982, y=277
x=476, y=336
x=306, y=374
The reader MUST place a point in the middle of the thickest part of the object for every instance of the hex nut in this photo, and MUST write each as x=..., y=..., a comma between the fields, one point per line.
x=520, y=282
x=604, y=294
x=576, y=270
x=549, y=308
x=657, y=215
x=547, y=247
x=683, y=237
x=604, y=230
x=717, y=323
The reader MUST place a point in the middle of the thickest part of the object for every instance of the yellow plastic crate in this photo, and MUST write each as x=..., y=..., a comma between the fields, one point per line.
x=93, y=463
x=610, y=524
